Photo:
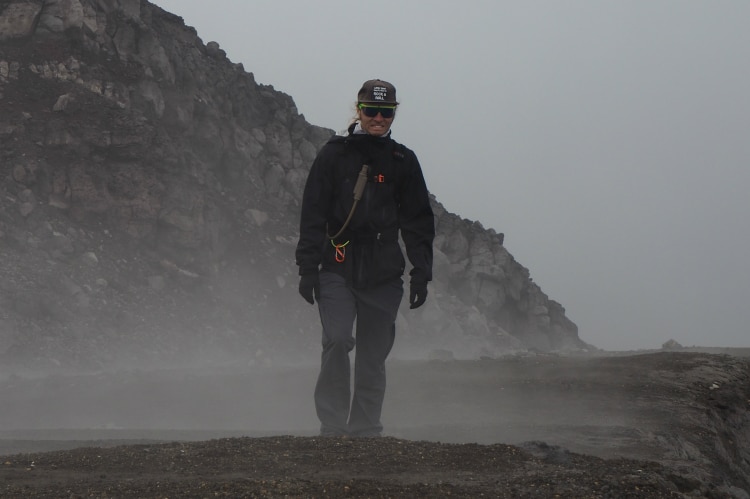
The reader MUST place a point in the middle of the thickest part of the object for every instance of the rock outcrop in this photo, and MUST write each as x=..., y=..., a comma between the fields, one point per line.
x=149, y=197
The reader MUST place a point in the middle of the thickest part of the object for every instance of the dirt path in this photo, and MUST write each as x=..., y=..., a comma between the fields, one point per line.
x=652, y=425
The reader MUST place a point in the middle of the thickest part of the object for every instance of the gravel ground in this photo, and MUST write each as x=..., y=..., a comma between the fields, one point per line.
x=653, y=425
x=328, y=467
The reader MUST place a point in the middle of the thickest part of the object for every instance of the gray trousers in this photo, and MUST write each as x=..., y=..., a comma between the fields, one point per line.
x=375, y=311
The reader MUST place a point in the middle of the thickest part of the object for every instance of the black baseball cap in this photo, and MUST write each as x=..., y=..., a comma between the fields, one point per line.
x=377, y=92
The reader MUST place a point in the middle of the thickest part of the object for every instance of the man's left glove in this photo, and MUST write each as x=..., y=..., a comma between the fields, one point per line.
x=417, y=293
x=309, y=287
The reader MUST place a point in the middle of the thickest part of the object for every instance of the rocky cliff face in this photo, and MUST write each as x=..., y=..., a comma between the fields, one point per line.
x=149, y=197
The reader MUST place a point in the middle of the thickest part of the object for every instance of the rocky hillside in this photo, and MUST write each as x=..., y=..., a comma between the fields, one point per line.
x=149, y=198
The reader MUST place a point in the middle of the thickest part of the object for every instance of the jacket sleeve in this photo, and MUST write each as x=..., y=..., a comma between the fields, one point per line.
x=316, y=202
x=416, y=220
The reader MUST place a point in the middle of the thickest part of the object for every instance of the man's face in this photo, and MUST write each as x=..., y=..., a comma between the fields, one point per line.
x=375, y=125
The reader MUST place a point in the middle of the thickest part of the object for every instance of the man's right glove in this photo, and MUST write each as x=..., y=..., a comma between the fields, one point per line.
x=309, y=287
x=417, y=293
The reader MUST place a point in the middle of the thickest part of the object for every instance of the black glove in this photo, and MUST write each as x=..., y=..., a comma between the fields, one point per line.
x=309, y=286
x=417, y=293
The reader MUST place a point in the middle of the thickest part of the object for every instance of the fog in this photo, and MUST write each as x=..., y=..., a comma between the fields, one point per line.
x=606, y=140
x=484, y=402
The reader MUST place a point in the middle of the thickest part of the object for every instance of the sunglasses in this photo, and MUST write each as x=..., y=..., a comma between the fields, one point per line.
x=372, y=111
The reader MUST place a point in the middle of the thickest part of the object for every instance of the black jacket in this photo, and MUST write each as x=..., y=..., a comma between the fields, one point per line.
x=395, y=199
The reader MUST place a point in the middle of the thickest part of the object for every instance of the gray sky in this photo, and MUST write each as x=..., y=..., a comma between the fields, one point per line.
x=609, y=140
